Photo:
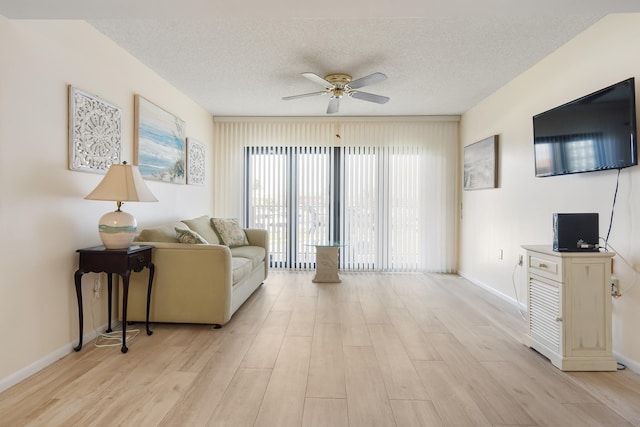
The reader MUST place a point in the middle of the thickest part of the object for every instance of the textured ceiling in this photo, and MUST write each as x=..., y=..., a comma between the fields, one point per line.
x=434, y=66
x=241, y=60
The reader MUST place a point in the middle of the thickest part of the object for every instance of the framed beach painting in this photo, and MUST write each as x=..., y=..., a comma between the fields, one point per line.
x=160, y=143
x=481, y=164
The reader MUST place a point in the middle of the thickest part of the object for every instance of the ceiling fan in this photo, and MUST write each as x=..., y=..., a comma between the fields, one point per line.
x=337, y=85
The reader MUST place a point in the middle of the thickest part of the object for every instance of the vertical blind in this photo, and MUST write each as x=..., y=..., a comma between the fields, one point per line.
x=387, y=190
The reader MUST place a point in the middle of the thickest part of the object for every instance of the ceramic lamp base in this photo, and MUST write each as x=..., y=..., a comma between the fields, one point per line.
x=117, y=230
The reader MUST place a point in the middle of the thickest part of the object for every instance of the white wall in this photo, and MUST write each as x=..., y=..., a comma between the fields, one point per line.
x=520, y=210
x=43, y=216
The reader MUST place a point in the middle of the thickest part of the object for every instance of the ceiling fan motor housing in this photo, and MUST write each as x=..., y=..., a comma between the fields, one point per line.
x=338, y=78
x=339, y=81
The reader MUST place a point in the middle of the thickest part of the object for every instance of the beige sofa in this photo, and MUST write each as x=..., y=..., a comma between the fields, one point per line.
x=197, y=283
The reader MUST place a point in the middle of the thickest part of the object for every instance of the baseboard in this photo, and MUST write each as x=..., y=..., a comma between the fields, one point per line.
x=629, y=363
x=493, y=291
x=39, y=365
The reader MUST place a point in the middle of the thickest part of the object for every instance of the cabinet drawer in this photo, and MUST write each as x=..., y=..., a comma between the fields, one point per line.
x=545, y=266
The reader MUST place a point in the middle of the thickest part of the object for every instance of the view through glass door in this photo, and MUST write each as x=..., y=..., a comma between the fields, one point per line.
x=364, y=197
x=289, y=193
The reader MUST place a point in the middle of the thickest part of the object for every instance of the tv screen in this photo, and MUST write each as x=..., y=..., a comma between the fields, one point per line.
x=592, y=133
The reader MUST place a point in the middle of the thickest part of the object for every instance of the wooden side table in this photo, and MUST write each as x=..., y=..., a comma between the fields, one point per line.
x=114, y=261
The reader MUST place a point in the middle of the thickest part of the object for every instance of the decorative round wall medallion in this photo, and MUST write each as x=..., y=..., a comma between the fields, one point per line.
x=95, y=133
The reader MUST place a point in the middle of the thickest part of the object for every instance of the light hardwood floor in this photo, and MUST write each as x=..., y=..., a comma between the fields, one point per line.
x=375, y=350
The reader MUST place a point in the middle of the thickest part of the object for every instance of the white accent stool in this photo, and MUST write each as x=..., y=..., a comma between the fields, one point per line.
x=569, y=308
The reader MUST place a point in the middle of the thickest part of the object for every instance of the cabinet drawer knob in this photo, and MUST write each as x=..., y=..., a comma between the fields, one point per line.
x=558, y=319
x=542, y=265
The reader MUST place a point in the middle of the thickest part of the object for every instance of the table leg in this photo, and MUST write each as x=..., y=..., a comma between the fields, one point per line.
x=151, y=271
x=125, y=298
x=109, y=299
x=78, y=282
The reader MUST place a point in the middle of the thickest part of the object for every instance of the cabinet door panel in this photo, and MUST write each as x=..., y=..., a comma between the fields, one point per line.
x=588, y=303
x=545, y=315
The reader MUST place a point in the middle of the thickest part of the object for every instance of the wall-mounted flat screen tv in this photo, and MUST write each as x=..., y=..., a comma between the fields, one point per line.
x=593, y=133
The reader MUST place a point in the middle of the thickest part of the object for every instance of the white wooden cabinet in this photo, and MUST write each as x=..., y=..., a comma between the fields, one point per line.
x=569, y=308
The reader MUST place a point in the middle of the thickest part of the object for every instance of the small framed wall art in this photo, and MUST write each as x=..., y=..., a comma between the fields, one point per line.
x=95, y=132
x=481, y=164
x=160, y=143
x=195, y=162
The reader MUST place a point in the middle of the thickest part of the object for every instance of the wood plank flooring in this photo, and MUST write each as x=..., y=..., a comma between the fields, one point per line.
x=375, y=350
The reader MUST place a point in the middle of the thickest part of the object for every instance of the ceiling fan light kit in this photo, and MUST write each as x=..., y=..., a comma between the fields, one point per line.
x=339, y=84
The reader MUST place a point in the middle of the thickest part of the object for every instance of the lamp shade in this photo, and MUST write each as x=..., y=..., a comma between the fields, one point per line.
x=122, y=183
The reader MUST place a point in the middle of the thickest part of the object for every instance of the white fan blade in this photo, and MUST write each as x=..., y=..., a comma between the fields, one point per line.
x=304, y=95
x=317, y=79
x=367, y=80
x=334, y=105
x=378, y=99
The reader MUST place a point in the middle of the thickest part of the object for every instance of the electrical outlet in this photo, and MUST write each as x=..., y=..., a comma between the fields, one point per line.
x=96, y=288
x=615, y=288
x=500, y=253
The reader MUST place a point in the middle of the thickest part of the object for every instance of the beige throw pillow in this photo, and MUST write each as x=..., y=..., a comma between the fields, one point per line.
x=203, y=226
x=189, y=236
x=230, y=232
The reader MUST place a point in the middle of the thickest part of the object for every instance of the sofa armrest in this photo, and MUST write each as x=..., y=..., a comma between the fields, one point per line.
x=188, y=275
x=257, y=237
x=260, y=237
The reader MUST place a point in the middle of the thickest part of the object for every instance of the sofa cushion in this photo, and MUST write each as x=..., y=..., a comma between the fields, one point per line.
x=203, y=227
x=190, y=236
x=255, y=254
x=241, y=268
x=163, y=233
x=230, y=232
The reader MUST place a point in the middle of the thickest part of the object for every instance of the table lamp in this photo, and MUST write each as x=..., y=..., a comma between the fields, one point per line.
x=122, y=183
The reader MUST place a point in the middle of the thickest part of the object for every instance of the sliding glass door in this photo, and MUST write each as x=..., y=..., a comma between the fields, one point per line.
x=289, y=193
x=364, y=197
